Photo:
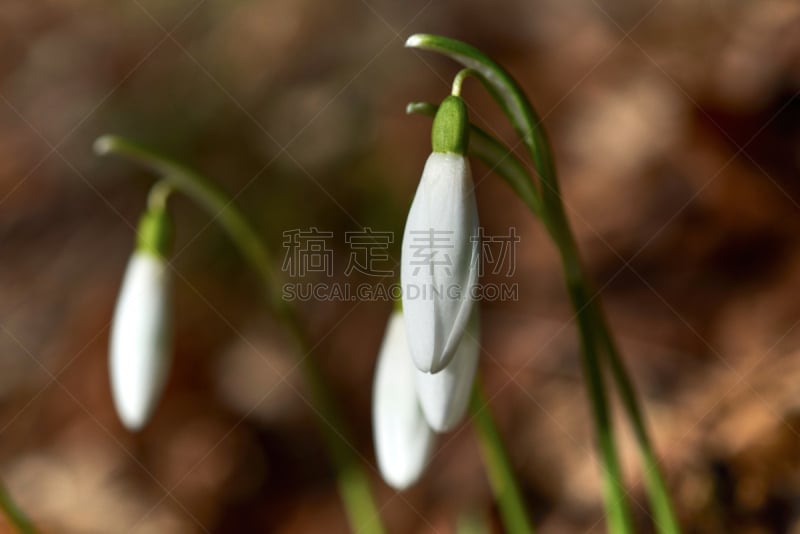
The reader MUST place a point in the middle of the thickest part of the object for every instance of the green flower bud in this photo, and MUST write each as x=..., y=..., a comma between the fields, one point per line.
x=450, y=133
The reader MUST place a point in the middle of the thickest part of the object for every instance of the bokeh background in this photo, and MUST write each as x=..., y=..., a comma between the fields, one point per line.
x=676, y=128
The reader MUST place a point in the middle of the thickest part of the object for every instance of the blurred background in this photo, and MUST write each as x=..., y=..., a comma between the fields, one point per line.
x=676, y=128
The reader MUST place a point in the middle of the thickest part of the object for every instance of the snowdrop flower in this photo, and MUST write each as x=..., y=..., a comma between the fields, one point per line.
x=444, y=396
x=439, y=262
x=141, y=332
x=403, y=440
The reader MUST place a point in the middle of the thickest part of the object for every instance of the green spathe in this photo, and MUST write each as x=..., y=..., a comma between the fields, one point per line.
x=450, y=133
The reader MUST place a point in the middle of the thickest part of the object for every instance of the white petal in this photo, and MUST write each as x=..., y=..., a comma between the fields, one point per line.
x=444, y=396
x=140, y=348
x=403, y=440
x=439, y=267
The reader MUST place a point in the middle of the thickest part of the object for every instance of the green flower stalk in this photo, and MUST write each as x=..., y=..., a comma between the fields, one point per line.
x=543, y=198
x=353, y=483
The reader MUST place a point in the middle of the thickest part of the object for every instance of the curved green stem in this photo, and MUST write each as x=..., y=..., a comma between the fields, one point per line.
x=14, y=513
x=158, y=196
x=210, y=197
x=458, y=81
x=498, y=466
x=352, y=480
x=502, y=87
x=594, y=332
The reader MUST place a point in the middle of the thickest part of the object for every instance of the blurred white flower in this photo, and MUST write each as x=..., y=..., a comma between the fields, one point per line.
x=403, y=439
x=141, y=335
x=444, y=396
x=439, y=263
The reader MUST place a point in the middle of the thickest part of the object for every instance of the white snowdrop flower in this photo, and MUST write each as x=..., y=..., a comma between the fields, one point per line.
x=403, y=439
x=444, y=396
x=439, y=263
x=141, y=331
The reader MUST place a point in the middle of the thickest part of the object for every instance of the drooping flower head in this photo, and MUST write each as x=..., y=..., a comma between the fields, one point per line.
x=430, y=351
x=439, y=261
x=141, y=331
x=403, y=439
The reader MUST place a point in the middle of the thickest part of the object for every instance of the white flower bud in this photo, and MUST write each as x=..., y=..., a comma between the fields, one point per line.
x=403, y=440
x=439, y=264
x=444, y=396
x=140, y=348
